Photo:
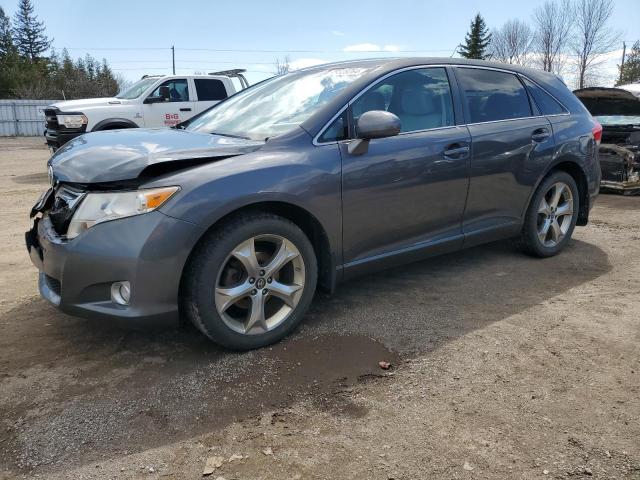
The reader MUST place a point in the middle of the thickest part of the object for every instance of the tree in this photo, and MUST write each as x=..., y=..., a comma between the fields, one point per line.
x=593, y=37
x=630, y=73
x=282, y=66
x=553, y=22
x=476, y=41
x=28, y=32
x=512, y=43
x=7, y=47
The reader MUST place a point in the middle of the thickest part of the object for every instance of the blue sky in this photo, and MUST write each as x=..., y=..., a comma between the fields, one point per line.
x=136, y=36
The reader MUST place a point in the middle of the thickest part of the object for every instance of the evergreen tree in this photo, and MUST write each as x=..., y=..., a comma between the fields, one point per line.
x=477, y=41
x=7, y=47
x=28, y=32
x=631, y=69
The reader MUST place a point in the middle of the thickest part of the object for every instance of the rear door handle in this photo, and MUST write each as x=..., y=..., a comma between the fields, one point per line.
x=185, y=109
x=456, y=151
x=540, y=134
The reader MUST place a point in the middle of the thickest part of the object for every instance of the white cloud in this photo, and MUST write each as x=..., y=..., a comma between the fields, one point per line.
x=337, y=33
x=371, y=47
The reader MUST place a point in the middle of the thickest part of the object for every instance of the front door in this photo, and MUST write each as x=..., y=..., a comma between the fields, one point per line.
x=409, y=190
x=177, y=108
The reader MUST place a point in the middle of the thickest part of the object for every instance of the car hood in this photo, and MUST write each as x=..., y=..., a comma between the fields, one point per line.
x=601, y=101
x=75, y=106
x=116, y=155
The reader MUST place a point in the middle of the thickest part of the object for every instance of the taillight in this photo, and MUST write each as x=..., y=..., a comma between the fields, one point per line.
x=597, y=132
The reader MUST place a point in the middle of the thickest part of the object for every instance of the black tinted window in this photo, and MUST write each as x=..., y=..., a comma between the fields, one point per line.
x=210, y=89
x=545, y=102
x=420, y=98
x=178, y=90
x=492, y=95
x=338, y=130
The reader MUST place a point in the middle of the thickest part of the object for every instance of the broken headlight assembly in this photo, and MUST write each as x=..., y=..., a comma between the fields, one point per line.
x=104, y=206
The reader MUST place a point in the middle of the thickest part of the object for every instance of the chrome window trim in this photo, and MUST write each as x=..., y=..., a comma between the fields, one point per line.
x=317, y=143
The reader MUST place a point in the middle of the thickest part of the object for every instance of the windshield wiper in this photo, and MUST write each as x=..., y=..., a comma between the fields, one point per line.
x=230, y=135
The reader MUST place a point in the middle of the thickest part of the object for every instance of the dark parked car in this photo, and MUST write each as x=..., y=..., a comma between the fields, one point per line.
x=618, y=111
x=308, y=179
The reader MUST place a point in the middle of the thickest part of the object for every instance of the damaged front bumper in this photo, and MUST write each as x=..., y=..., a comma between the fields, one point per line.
x=620, y=169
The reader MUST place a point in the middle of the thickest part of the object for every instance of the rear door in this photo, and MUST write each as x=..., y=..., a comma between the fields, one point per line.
x=406, y=191
x=177, y=108
x=209, y=91
x=512, y=143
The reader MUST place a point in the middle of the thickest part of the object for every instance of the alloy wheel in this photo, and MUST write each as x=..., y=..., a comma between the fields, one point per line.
x=555, y=214
x=260, y=284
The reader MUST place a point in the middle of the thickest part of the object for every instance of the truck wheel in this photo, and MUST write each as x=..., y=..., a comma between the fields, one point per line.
x=551, y=216
x=249, y=282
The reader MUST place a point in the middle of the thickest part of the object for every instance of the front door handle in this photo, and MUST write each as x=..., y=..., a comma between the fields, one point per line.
x=185, y=109
x=456, y=151
x=540, y=134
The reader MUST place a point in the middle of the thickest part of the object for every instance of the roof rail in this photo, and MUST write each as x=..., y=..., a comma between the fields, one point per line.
x=234, y=73
x=148, y=76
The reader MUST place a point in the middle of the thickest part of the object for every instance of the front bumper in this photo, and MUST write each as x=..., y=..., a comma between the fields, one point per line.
x=148, y=250
x=57, y=138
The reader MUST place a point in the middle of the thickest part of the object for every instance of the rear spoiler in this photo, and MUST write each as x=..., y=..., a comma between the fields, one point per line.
x=235, y=73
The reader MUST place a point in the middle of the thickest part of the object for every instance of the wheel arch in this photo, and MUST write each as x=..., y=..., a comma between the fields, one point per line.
x=301, y=217
x=114, y=123
x=573, y=168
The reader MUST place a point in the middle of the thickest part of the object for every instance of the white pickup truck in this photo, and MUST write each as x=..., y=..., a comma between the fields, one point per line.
x=153, y=101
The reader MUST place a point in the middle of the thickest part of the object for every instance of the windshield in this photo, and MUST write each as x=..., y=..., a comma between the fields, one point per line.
x=618, y=119
x=137, y=89
x=277, y=105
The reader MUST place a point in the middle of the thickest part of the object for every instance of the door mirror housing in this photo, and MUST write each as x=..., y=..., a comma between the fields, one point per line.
x=377, y=124
x=373, y=124
x=162, y=97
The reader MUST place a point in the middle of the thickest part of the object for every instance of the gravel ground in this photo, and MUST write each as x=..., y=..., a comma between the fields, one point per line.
x=504, y=367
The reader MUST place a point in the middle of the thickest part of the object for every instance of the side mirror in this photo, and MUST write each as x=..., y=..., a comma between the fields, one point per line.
x=373, y=124
x=164, y=92
x=162, y=97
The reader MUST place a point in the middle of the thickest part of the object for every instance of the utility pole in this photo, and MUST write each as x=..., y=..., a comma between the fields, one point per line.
x=624, y=52
x=173, y=58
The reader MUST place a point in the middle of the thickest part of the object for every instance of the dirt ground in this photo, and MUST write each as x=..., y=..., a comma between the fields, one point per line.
x=504, y=366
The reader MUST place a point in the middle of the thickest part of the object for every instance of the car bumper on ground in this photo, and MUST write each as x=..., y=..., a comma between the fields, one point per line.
x=148, y=251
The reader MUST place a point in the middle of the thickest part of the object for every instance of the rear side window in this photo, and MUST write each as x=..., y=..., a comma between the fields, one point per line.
x=210, y=89
x=490, y=95
x=545, y=102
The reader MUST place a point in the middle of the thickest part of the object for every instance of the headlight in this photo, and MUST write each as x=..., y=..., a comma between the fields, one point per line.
x=72, y=121
x=101, y=207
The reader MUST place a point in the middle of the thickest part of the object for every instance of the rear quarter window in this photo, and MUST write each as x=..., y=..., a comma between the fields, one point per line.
x=210, y=89
x=491, y=95
x=545, y=102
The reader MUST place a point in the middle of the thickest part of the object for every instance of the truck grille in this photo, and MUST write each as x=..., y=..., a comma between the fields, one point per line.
x=51, y=118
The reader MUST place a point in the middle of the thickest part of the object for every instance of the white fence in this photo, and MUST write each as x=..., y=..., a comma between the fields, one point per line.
x=22, y=118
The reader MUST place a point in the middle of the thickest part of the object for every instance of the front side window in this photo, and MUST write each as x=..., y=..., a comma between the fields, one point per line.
x=278, y=105
x=545, y=102
x=178, y=90
x=208, y=90
x=421, y=99
x=491, y=95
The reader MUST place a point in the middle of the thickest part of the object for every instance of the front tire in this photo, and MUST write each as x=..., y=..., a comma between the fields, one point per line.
x=551, y=216
x=249, y=282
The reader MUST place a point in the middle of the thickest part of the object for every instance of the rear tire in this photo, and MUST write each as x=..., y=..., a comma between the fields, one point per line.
x=551, y=216
x=250, y=281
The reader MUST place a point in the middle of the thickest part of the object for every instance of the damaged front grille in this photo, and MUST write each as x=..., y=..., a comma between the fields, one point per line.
x=620, y=159
x=65, y=202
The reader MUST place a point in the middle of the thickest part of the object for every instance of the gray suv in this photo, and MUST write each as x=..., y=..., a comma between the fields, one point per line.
x=304, y=180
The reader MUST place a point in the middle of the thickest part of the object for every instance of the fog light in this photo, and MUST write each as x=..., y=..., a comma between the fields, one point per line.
x=121, y=292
